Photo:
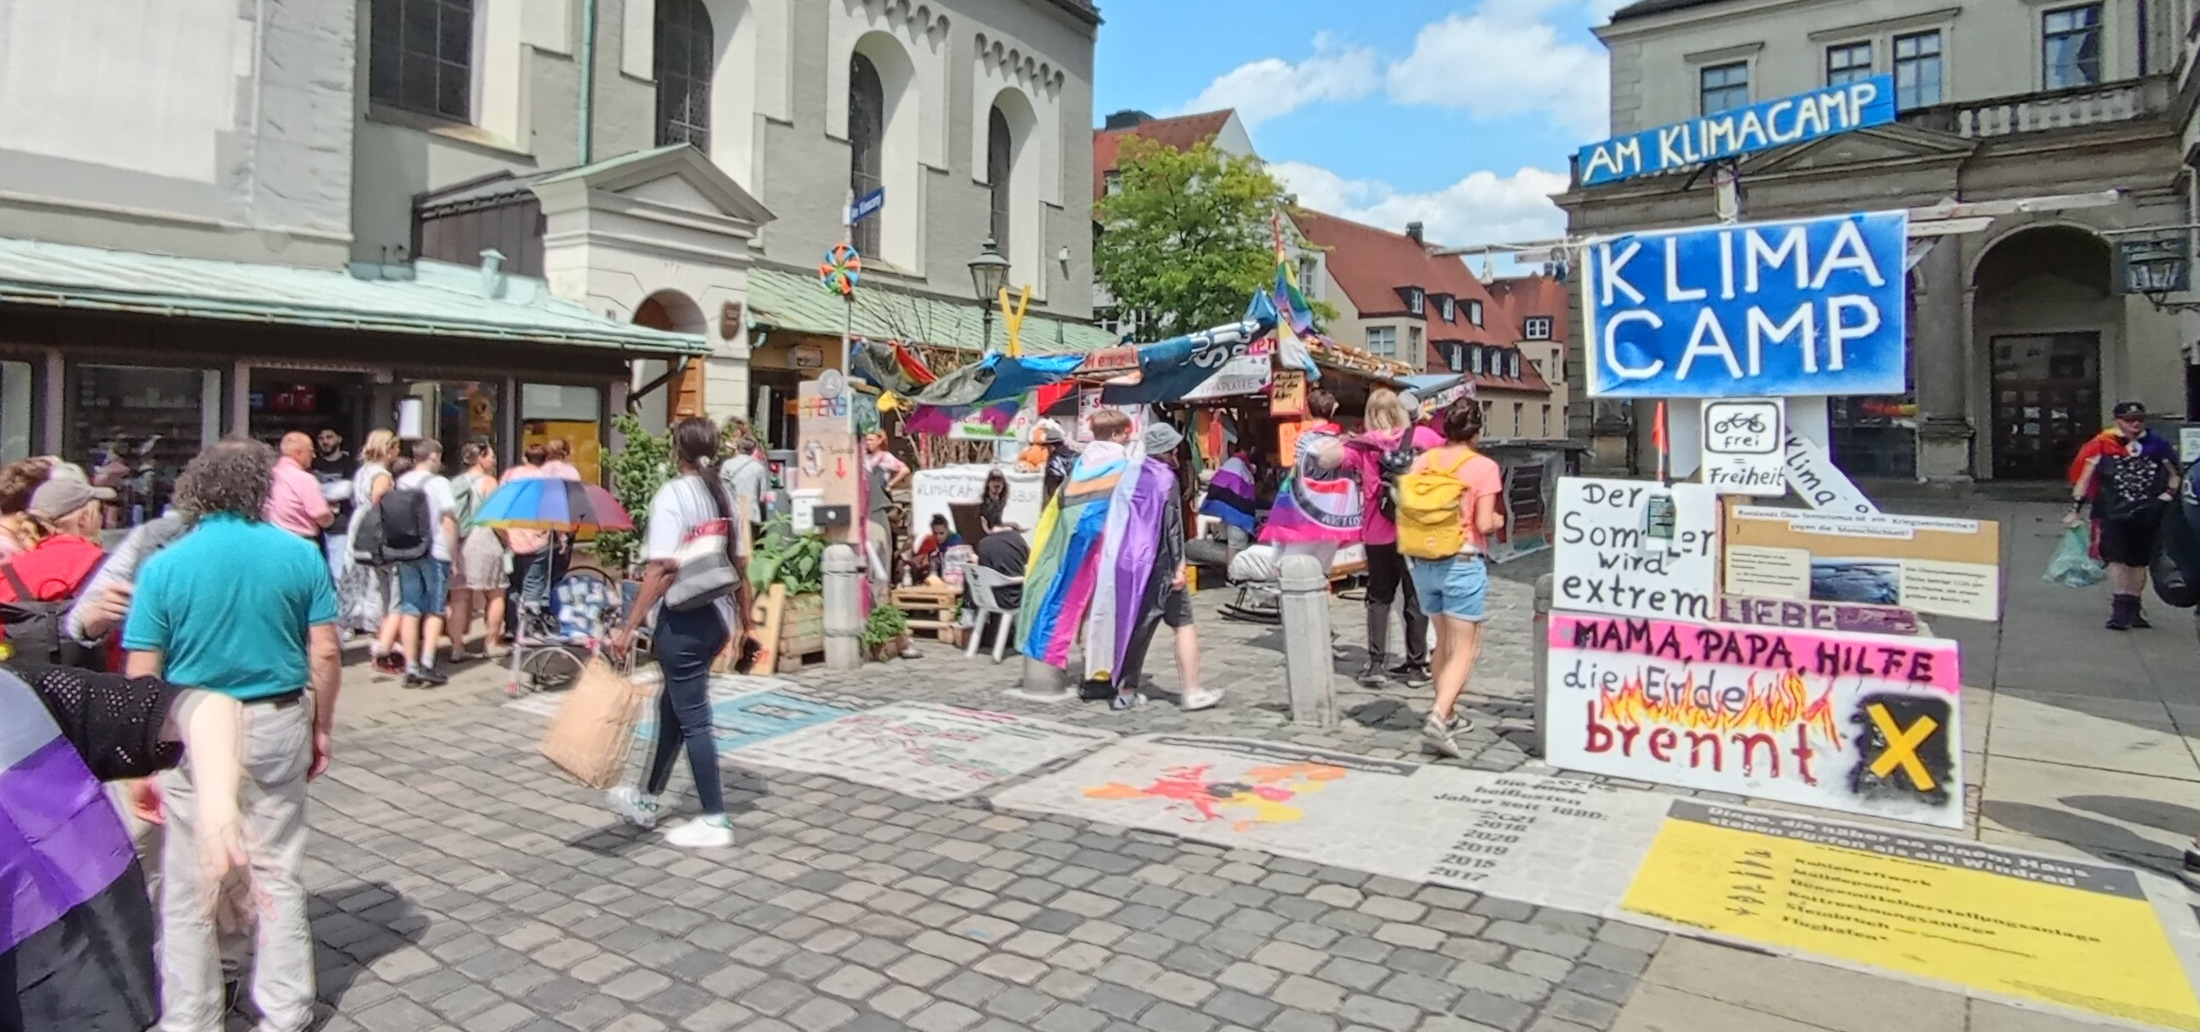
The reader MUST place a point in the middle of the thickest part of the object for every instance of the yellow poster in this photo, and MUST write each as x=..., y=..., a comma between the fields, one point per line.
x=583, y=436
x=2067, y=932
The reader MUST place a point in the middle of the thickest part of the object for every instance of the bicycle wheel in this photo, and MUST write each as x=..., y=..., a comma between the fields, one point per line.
x=551, y=668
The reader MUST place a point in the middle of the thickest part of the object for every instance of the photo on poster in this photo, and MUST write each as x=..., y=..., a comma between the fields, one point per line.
x=1870, y=581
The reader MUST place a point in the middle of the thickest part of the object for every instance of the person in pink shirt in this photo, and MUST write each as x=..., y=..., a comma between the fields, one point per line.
x=294, y=500
x=557, y=460
x=1380, y=454
x=1452, y=587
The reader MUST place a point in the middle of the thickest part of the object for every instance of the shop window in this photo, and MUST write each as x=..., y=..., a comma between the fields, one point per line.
x=420, y=56
x=685, y=56
x=550, y=411
x=134, y=427
x=456, y=412
x=16, y=392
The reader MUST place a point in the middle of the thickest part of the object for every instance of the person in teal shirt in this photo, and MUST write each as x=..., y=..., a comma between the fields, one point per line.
x=240, y=607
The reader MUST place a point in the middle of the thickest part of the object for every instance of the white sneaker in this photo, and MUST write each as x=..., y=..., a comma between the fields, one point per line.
x=702, y=833
x=633, y=806
x=1203, y=698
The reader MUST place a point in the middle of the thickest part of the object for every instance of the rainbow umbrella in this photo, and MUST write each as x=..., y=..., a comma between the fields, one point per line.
x=553, y=503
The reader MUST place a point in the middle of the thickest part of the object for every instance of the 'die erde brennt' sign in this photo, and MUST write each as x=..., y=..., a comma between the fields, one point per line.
x=1766, y=309
x=1774, y=123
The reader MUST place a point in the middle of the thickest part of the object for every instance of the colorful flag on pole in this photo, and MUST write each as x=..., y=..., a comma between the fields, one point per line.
x=1294, y=317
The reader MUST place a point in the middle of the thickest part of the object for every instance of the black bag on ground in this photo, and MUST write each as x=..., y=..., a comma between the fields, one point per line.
x=34, y=628
x=393, y=530
x=2175, y=570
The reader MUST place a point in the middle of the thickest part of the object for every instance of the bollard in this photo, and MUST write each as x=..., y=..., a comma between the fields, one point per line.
x=1539, y=646
x=1308, y=665
x=1044, y=682
x=843, y=608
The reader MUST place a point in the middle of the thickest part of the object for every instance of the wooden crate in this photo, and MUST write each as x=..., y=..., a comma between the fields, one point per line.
x=931, y=612
x=802, y=632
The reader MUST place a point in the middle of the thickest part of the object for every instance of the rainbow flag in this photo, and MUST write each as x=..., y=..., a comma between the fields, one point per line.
x=76, y=927
x=1078, y=580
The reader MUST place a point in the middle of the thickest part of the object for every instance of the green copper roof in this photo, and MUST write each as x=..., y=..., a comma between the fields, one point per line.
x=796, y=301
x=428, y=298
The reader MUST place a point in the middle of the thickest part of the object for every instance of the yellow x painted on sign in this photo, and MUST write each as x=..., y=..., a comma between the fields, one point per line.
x=1902, y=747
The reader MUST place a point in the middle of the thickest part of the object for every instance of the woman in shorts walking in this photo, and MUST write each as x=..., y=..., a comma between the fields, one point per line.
x=1451, y=587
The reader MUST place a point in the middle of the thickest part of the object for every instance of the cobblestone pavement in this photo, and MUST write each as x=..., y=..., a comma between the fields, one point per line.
x=459, y=883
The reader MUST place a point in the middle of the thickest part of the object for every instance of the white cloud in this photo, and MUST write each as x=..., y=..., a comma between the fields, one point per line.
x=1505, y=60
x=1271, y=87
x=1483, y=208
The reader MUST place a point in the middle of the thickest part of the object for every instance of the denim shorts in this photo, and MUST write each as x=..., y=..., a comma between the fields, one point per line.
x=1452, y=587
x=423, y=587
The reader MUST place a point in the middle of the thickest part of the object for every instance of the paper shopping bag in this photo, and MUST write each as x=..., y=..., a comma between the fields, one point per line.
x=594, y=727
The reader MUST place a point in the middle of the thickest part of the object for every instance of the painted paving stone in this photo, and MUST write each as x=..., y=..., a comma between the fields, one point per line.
x=743, y=710
x=924, y=750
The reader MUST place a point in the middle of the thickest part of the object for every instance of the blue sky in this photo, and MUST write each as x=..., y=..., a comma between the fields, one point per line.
x=1457, y=113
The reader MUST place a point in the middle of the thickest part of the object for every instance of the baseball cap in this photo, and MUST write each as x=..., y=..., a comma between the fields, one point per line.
x=60, y=496
x=1160, y=438
x=2130, y=410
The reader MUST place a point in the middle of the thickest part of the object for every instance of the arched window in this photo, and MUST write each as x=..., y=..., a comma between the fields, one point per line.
x=866, y=142
x=420, y=56
x=685, y=53
x=999, y=156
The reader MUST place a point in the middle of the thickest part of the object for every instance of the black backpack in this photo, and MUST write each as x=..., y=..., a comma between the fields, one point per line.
x=34, y=628
x=393, y=530
x=1390, y=466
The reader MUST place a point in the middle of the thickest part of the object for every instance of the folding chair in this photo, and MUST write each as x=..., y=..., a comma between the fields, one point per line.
x=980, y=586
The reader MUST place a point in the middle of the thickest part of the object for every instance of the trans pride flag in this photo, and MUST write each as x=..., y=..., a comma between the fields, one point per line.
x=1091, y=557
x=76, y=927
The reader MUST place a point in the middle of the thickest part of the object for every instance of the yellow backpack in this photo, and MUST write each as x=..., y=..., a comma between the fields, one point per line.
x=1431, y=522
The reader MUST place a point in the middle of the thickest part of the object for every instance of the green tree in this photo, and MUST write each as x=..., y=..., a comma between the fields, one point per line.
x=1186, y=237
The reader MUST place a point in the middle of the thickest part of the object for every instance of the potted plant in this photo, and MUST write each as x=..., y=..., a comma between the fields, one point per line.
x=885, y=633
x=796, y=562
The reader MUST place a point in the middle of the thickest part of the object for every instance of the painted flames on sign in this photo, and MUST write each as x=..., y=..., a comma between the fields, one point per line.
x=1783, y=703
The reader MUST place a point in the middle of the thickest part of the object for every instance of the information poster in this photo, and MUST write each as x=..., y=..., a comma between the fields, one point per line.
x=1610, y=561
x=2066, y=932
x=1860, y=723
x=1927, y=564
x=932, y=491
x=826, y=460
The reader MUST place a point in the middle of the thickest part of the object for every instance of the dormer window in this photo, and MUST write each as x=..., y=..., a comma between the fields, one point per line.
x=1512, y=366
x=1456, y=351
x=1445, y=307
x=1474, y=358
x=1413, y=298
x=1536, y=327
x=1474, y=312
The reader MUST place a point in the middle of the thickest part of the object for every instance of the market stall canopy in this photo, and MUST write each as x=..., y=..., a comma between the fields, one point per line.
x=425, y=298
x=789, y=300
x=996, y=377
x=1440, y=390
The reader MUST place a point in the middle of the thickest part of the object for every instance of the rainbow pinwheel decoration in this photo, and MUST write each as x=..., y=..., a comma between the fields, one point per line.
x=841, y=270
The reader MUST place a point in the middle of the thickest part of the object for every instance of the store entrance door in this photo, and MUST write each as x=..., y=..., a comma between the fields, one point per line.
x=2047, y=402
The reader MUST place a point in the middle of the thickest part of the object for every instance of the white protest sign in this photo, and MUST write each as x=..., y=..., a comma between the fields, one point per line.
x=1607, y=563
x=1743, y=446
x=1820, y=483
x=974, y=428
x=931, y=491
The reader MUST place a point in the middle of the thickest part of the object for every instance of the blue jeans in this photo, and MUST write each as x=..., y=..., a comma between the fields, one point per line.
x=423, y=586
x=685, y=645
x=1452, y=587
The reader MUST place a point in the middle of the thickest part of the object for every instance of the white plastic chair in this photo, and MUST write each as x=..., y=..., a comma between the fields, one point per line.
x=979, y=586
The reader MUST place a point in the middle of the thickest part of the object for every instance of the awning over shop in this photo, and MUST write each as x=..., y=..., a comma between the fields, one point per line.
x=781, y=299
x=425, y=298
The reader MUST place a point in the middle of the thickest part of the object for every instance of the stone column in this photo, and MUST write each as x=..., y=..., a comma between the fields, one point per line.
x=1308, y=665
x=1942, y=341
x=843, y=608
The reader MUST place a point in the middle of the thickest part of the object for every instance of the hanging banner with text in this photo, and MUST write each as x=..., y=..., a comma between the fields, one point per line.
x=1772, y=309
x=1747, y=130
x=1610, y=559
x=1861, y=723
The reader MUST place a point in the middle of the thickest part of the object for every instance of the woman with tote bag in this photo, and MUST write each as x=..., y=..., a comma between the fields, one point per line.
x=695, y=571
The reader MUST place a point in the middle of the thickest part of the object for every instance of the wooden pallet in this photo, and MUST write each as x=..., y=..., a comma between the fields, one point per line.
x=789, y=662
x=931, y=612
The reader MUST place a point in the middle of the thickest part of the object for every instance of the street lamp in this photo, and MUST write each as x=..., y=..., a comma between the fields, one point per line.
x=988, y=271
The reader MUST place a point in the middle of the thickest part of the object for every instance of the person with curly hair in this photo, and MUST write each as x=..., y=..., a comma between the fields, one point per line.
x=244, y=608
x=17, y=480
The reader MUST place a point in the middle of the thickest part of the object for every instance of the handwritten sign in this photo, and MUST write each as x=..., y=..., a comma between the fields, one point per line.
x=1861, y=723
x=1820, y=483
x=1809, y=307
x=826, y=461
x=1607, y=561
x=933, y=491
x=1817, y=616
x=1758, y=127
x=1287, y=395
x=1744, y=448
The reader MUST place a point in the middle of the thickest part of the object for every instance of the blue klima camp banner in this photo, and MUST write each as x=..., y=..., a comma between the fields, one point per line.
x=1765, y=309
x=1773, y=123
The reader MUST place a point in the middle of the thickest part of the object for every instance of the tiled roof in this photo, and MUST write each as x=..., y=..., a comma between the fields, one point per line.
x=1371, y=265
x=1180, y=133
x=1645, y=8
x=786, y=299
x=1518, y=297
x=1530, y=382
x=427, y=298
